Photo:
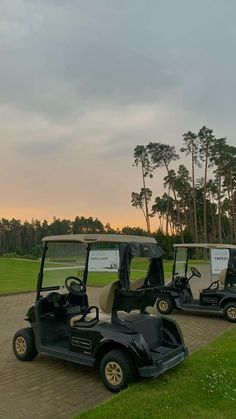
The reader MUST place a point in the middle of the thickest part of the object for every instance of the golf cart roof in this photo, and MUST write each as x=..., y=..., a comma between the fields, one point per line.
x=206, y=245
x=94, y=238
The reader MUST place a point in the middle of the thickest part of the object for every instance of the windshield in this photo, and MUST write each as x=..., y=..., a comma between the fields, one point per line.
x=180, y=263
x=63, y=260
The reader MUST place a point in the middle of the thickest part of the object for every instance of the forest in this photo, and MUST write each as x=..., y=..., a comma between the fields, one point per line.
x=198, y=205
x=199, y=208
x=19, y=238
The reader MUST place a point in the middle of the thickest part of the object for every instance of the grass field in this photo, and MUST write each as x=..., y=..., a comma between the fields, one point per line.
x=204, y=386
x=20, y=275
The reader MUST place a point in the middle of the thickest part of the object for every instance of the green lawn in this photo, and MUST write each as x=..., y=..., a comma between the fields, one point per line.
x=20, y=275
x=204, y=386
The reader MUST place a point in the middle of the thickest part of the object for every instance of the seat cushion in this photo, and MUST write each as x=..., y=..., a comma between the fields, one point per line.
x=137, y=283
x=107, y=296
x=222, y=276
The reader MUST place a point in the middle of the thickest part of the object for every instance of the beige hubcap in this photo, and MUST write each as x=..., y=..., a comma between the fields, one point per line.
x=163, y=305
x=113, y=373
x=20, y=345
x=232, y=312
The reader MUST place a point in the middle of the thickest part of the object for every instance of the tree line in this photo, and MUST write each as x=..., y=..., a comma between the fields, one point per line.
x=19, y=238
x=201, y=209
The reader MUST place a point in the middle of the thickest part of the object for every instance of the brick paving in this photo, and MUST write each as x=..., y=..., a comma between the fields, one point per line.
x=50, y=388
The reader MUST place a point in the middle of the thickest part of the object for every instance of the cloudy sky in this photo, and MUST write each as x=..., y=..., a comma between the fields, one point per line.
x=82, y=82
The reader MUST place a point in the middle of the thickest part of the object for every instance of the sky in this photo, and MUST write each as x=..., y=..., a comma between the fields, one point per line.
x=82, y=82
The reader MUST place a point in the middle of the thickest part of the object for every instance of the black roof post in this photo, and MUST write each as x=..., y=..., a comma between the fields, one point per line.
x=40, y=275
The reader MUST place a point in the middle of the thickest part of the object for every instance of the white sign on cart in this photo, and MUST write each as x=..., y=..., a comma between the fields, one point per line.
x=103, y=261
x=219, y=260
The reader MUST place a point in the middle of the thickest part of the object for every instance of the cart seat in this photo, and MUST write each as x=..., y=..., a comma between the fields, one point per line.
x=221, y=281
x=86, y=319
x=137, y=283
x=105, y=302
x=102, y=316
x=107, y=296
x=222, y=276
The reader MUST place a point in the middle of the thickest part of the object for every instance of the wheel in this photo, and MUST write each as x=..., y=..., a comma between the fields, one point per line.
x=117, y=370
x=164, y=305
x=24, y=344
x=230, y=312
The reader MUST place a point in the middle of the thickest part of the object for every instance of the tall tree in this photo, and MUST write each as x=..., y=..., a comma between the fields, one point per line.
x=184, y=191
x=207, y=141
x=139, y=200
x=165, y=208
x=191, y=147
x=141, y=158
x=229, y=183
x=220, y=159
x=162, y=155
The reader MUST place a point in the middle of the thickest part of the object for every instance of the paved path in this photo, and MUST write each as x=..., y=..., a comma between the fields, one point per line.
x=49, y=388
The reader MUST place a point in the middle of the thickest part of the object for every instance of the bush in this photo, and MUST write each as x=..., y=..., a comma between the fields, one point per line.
x=10, y=255
x=14, y=255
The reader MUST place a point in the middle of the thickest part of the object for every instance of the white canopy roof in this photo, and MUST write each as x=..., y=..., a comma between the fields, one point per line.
x=207, y=245
x=93, y=238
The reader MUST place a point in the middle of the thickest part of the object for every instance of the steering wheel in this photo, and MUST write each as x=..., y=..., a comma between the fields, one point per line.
x=74, y=285
x=195, y=272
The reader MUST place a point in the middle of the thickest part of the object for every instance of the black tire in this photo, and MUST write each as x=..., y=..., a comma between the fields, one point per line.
x=230, y=312
x=117, y=370
x=164, y=305
x=24, y=344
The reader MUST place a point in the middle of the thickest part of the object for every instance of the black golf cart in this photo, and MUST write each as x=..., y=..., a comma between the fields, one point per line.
x=220, y=295
x=65, y=326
